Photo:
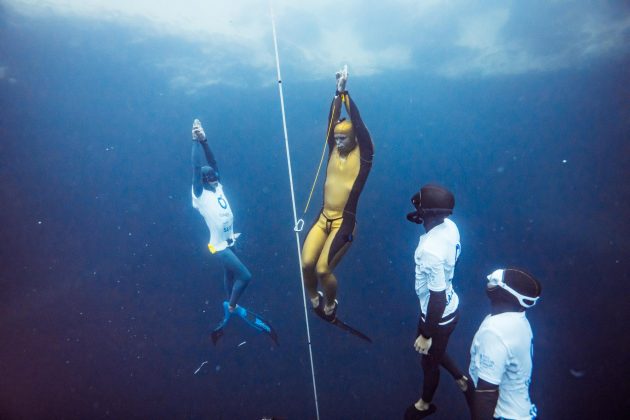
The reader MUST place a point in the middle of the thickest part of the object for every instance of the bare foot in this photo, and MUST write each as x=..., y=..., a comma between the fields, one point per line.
x=421, y=405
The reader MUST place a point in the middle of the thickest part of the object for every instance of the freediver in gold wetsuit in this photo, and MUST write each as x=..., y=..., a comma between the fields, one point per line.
x=350, y=152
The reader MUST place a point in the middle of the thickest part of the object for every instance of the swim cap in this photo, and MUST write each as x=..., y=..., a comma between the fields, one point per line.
x=344, y=127
x=520, y=284
x=209, y=174
x=436, y=198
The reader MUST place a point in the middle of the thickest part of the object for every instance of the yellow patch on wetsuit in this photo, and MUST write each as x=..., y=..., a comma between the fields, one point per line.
x=212, y=249
x=341, y=176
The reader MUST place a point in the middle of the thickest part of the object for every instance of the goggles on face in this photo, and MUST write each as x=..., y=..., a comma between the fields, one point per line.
x=210, y=179
x=209, y=175
x=415, y=200
x=496, y=280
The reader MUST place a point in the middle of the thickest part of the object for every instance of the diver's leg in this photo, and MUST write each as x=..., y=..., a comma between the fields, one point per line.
x=241, y=274
x=451, y=367
x=431, y=370
x=447, y=362
x=311, y=251
x=463, y=382
x=228, y=281
x=431, y=363
x=336, y=246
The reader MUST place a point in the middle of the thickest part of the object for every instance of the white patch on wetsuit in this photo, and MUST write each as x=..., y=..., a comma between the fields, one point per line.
x=215, y=209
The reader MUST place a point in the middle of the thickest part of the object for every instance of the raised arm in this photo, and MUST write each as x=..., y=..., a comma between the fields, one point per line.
x=201, y=156
x=333, y=117
x=364, y=139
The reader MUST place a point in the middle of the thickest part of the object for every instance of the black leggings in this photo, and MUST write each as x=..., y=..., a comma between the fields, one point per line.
x=437, y=356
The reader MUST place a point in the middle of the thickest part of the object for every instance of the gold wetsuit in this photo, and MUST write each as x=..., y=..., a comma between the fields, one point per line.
x=333, y=230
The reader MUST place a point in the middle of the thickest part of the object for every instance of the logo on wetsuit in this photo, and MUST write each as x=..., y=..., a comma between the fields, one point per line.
x=449, y=296
x=222, y=202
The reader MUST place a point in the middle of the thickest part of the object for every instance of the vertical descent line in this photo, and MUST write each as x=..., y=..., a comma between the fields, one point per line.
x=296, y=222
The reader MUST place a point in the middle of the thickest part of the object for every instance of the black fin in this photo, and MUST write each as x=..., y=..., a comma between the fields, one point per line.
x=342, y=325
x=216, y=334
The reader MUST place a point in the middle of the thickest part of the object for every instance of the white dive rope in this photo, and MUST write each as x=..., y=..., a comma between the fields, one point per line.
x=297, y=224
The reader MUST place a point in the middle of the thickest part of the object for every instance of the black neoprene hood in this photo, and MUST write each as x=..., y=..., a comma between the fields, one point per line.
x=522, y=282
x=433, y=196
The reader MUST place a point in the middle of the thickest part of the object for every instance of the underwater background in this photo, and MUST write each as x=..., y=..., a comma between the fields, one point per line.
x=108, y=292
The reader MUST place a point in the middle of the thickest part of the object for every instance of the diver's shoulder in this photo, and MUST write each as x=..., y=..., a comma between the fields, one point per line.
x=507, y=322
x=447, y=229
x=451, y=225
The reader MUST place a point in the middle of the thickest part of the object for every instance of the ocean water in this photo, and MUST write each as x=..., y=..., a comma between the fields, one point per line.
x=108, y=293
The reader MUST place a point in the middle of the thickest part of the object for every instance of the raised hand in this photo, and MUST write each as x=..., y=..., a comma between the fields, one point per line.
x=342, y=78
x=197, y=131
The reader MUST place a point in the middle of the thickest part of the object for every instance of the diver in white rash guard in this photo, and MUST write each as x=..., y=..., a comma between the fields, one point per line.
x=502, y=349
x=435, y=257
x=208, y=197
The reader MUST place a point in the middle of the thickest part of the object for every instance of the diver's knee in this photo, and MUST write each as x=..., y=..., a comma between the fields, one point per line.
x=308, y=265
x=429, y=363
x=246, y=277
x=322, y=270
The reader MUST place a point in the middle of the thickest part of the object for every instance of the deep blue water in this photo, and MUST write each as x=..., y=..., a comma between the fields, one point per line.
x=107, y=292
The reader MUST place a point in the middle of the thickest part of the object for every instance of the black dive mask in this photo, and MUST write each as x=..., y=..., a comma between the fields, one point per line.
x=418, y=215
x=209, y=175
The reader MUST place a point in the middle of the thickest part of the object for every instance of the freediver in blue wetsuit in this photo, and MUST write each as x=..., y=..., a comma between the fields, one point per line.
x=208, y=197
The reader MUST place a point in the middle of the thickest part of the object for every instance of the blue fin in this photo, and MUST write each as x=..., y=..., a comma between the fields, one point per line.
x=257, y=322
